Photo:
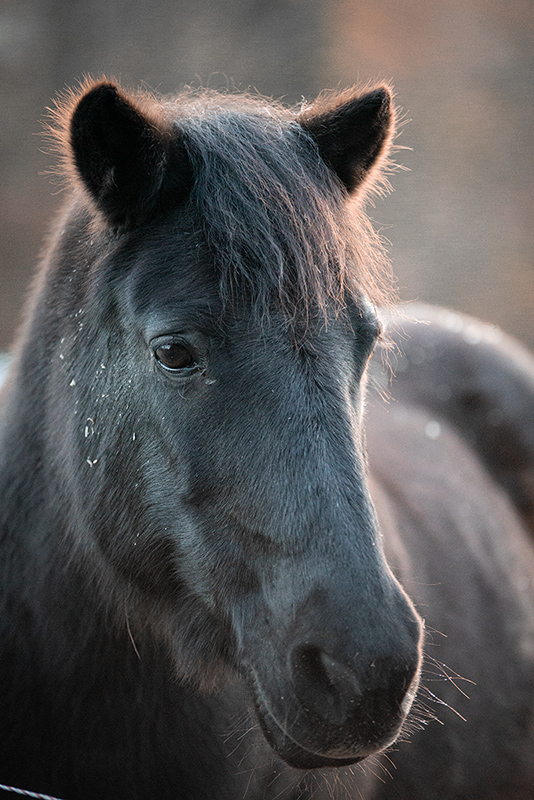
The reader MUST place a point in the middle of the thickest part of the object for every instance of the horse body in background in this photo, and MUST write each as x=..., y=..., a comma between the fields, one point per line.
x=198, y=599
x=451, y=460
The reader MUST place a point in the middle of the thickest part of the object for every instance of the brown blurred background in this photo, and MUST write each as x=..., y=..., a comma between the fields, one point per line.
x=459, y=222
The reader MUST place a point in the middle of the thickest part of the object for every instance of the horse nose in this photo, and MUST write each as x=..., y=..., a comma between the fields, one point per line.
x=337, y=693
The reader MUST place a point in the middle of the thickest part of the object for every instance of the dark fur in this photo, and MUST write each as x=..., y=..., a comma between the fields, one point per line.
x=196, y=601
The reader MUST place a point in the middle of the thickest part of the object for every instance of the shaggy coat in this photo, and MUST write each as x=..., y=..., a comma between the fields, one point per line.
x=204, y=567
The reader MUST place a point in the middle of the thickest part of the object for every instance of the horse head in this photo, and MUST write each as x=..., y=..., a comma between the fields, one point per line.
x=213, y=331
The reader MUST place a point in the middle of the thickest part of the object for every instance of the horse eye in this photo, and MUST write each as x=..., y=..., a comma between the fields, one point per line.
x=175, y=356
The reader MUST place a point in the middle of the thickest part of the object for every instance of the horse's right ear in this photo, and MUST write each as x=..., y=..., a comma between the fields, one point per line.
x=127, y=160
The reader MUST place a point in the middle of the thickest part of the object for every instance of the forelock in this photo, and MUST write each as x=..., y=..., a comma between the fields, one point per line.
x=276, y=218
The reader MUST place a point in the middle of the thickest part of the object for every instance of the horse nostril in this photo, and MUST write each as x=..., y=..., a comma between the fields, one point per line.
x=337, y=674
x=337, y=693
x=323, y=685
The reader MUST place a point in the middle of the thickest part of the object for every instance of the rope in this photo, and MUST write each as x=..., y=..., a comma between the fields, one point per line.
x=27, y=794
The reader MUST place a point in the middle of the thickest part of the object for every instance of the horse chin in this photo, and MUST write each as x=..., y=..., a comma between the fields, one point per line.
x=297, y=755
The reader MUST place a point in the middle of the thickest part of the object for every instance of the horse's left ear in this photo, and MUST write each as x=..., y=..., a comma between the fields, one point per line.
x=127, y=160
x=352, y=134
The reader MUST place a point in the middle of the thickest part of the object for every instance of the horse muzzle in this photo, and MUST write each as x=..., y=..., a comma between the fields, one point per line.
x=333, y=714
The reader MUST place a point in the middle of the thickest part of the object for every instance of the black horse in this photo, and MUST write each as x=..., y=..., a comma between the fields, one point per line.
x=196, y=601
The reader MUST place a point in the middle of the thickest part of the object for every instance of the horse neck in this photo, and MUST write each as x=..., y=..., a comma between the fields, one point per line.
x=32, y=527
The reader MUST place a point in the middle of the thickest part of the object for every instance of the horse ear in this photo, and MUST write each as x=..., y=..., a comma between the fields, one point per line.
x=352, y=134
x=126, y=160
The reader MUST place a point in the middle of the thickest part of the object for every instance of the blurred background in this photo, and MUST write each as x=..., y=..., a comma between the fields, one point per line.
x=459, y=223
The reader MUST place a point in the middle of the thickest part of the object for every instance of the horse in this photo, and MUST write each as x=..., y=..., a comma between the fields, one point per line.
x=229, y=569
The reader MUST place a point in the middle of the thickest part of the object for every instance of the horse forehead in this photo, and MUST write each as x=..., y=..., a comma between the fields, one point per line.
x=168, y=294
x=177, y=280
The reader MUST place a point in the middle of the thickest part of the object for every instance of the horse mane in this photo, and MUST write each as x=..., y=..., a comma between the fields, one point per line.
x=278, y=221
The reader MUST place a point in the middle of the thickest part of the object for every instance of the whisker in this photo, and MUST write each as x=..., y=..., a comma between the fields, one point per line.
x=130, y=634
x=441, y=702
